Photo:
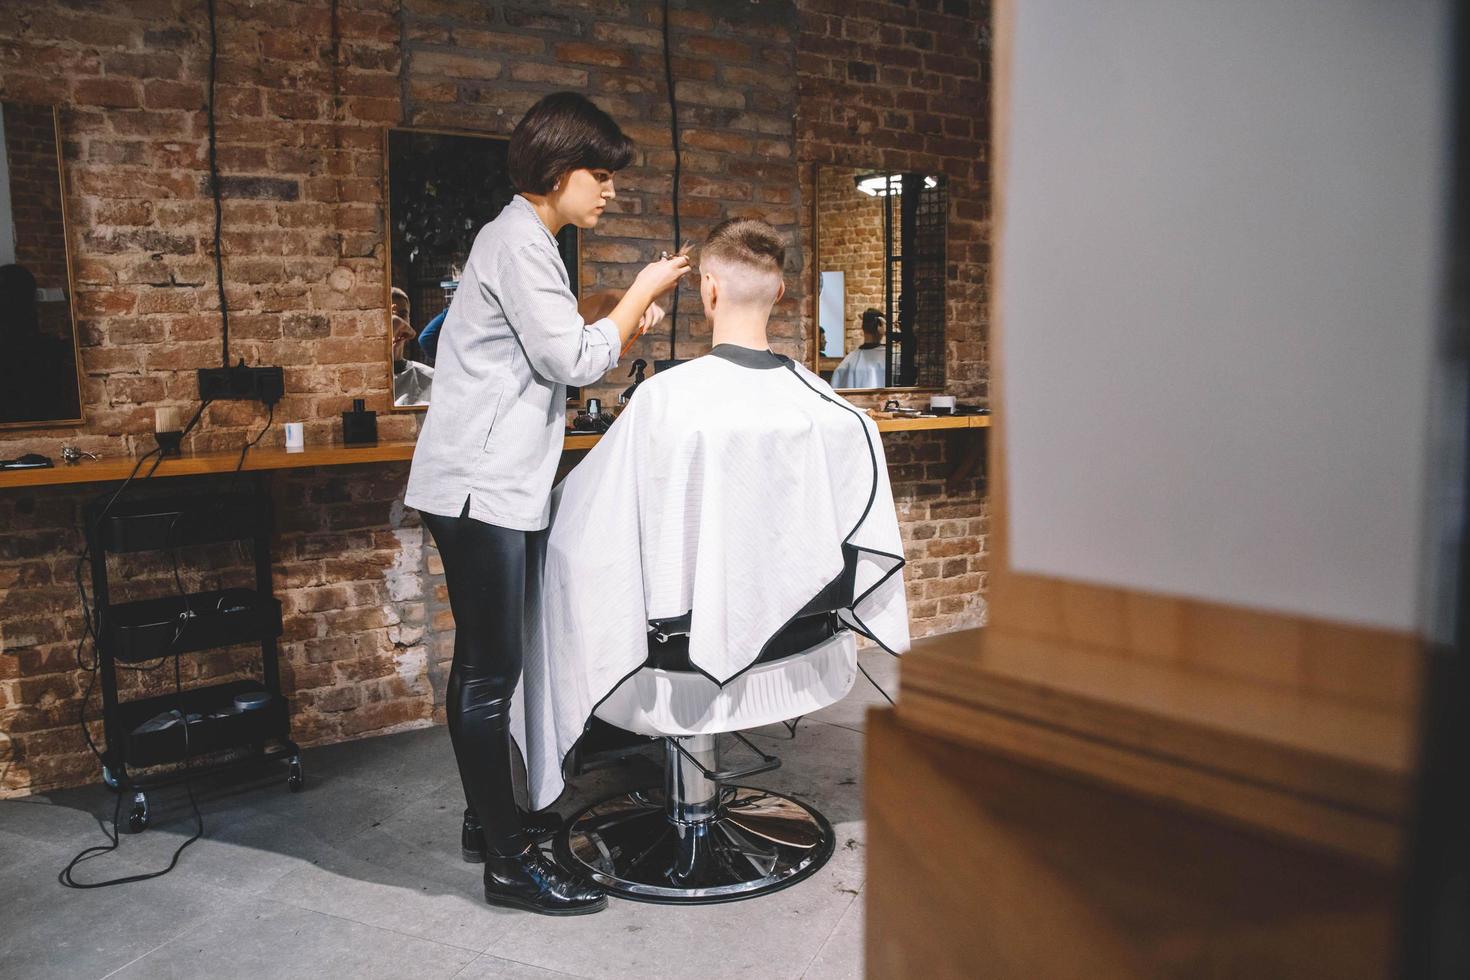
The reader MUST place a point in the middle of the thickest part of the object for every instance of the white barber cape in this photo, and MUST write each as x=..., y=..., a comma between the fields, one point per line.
x=863, y=368
x=725, y=490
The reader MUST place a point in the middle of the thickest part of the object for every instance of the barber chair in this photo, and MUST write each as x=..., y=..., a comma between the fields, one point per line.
x=702, y=837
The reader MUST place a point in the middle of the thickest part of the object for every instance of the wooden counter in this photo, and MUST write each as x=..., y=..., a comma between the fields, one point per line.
x=198, y=464
x=1088, y=815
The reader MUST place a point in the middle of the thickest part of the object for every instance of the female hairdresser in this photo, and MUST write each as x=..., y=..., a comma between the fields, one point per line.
x=483, y=467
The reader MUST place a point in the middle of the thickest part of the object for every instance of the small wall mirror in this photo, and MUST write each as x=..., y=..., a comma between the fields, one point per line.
x=880, y=271
x=40, y=375
x=442, y=189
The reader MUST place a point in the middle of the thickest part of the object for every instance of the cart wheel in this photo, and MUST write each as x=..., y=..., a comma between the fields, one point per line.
x=138, y=817
x=294, y=777
x=108, y=779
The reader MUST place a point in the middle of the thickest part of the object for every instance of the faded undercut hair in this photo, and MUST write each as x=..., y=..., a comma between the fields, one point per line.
x=748, y=255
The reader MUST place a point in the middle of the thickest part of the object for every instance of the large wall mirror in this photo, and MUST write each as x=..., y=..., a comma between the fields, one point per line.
x=880, y=277
x=40, y=381
x=442, y=189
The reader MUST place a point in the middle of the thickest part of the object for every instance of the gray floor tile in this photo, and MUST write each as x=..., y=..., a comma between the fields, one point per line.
x=841, y=957
x=851, y=713
x=51, y=931
x=330, y=809
x=268, y=939
x=361, y=875
x=489, y=967
x=61, y=818
x=821, y=766
x=379, y=880
x=411, y=762
x=246, y=854
x=774, y=936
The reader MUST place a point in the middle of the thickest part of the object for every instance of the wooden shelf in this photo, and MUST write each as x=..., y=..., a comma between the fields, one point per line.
x=198, y=464
x=946, y=422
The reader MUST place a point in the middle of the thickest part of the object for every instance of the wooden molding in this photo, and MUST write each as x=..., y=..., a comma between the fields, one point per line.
x=1336, y=661
x=1327, y=774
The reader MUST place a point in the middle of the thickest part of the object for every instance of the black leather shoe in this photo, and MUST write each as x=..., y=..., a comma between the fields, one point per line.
x=538, y=827
x=531, y=882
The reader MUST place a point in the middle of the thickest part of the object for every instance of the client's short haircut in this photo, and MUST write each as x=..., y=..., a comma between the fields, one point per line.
x=748, y=255
x=561, y=133
x=873, y=321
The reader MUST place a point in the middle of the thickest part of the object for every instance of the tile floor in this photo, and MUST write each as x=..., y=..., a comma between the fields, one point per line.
x=360, y=876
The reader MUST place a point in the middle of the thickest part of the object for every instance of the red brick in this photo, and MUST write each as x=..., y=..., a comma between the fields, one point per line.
x=553, y=74
x=455, y=65
x=593, y=54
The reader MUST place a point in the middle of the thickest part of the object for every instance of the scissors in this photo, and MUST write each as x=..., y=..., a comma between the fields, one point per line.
x=663, y=256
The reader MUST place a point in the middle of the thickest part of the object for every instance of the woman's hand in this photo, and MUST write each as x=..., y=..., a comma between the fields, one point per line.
x=650, y=318
x=657, y=278
x=636, y=311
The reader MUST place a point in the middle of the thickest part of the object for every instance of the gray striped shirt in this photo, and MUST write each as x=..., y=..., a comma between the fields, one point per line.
x=510, y=344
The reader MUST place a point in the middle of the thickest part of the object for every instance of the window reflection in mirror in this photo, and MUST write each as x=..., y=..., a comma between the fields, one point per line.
x=442, y=189
x=880, y=266
x=39, y=373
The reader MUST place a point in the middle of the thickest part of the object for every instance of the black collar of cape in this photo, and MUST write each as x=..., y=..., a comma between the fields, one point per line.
x=749, y=357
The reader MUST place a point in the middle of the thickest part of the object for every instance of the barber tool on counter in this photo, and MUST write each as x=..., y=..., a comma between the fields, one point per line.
x=639, y=367
x=72, y=455
x=939, y=405
x=359, y=426
x=593, y=418
x=30, y=461
x=168, y=429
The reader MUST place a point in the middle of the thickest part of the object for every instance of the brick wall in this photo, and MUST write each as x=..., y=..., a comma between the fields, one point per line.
x=300, y=120
x=902, y=86
x=479, y=66
x=851, y=242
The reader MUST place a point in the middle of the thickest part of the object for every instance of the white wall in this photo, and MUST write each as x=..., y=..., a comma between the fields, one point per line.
x=1218, y=289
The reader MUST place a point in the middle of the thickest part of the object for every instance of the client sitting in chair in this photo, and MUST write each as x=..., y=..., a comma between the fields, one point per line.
x=707, y=568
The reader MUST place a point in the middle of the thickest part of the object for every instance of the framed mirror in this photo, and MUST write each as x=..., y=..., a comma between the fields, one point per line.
x=40, y=373
x=880, y=278
x=442, y=189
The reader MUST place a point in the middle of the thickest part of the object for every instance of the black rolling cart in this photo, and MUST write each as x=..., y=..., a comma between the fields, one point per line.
x=205, y=729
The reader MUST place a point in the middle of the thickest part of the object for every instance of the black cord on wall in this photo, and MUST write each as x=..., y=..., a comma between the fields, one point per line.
x=214, y=189
x=678, y=170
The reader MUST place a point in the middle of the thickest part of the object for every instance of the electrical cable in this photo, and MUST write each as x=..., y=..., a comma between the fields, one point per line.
x=875, y=684
x=215, y=192
x=678, y=172
x=66, y=876
x=250, y=444
x=93, y=668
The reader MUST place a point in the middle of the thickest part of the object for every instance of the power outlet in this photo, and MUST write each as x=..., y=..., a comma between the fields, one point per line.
x=241, y=383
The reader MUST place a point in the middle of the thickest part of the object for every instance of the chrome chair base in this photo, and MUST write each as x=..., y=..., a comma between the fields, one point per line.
x=755, y=842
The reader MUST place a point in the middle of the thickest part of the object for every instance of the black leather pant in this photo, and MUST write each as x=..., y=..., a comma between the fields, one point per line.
x=485, y=569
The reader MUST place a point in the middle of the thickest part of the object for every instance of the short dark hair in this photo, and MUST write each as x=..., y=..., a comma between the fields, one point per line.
x=873, y=320
x=561, y=133
x=749, y=241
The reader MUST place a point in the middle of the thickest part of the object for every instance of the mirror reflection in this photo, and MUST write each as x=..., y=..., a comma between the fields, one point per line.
x=442, y=189
x=880, y=264
x=39, y=373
